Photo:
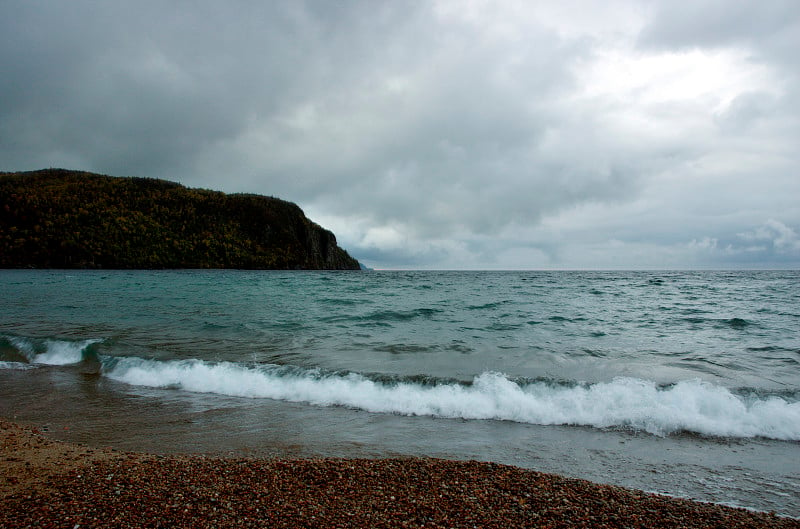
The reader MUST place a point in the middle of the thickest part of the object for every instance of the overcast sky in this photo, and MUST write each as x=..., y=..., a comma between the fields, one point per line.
x=437, y=134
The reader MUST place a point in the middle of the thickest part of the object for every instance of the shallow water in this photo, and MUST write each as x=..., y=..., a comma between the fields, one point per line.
x=683, y=383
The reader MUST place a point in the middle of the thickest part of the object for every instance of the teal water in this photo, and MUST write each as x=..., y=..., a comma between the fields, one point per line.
x=635, y=378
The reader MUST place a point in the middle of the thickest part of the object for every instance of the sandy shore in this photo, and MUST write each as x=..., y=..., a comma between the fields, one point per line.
x=46, y=483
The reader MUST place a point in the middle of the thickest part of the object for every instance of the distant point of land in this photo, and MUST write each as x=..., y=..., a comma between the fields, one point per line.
x=57, y=218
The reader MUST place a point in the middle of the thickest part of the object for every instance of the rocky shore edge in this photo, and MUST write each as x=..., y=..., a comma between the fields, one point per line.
x=48, y=483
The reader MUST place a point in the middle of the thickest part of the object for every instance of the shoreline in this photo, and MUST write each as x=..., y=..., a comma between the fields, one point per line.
x=54, y=483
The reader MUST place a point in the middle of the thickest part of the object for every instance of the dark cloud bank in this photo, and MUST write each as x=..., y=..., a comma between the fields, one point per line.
x=437, y=134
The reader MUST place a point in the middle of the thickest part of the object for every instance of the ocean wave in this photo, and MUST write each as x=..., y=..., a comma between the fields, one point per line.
x=629, y=403
x=487, y=306
x=736, y=323
x=19, y=366
x=384, y=316
x=48, y=351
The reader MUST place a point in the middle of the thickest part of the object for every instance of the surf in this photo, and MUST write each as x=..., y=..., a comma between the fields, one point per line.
x=692, y=406
x=46, y=351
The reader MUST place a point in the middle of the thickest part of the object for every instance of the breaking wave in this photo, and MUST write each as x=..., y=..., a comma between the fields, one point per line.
x=626, y=403
x=18, y=351
x=629, y=403
x=21, y=366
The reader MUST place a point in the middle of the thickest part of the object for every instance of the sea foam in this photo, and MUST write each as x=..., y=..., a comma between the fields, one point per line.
x=19, y=366
x=692, y=405
x=51, y=351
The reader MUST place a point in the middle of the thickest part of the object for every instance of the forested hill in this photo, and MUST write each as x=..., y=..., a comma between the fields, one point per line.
x=56, y=218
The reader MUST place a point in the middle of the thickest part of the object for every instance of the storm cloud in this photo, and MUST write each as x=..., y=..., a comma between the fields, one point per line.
x=627, y=134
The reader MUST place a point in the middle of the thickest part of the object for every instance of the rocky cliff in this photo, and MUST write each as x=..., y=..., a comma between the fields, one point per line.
x=55, y=218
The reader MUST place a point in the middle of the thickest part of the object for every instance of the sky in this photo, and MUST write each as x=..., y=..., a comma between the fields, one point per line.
x=437, y=134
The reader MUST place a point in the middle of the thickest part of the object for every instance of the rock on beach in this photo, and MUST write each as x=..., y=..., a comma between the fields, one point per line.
x=47, y=483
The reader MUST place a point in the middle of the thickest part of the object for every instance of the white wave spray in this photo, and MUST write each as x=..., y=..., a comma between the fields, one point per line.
x=691, y=405
x=52, y=352
x=19, y=366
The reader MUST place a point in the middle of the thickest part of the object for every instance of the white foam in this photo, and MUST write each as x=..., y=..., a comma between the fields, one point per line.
x=56, y=352
x=693, y=405
x=24, y=347
x=15, y=365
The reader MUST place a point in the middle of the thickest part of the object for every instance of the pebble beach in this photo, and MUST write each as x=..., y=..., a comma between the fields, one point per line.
x=49, y=483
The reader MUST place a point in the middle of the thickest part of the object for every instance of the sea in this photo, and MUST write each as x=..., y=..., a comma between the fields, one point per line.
x=685, y=383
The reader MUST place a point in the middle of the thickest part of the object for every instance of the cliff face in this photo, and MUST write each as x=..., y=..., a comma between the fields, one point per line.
x=56, y=218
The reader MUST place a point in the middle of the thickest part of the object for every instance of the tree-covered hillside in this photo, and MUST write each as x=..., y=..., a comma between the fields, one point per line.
x=55, y=218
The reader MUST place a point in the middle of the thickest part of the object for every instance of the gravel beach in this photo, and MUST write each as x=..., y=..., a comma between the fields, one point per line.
x=47, y=483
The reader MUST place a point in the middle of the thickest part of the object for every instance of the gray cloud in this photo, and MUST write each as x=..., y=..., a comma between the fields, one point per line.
x=432, y=134
x=768, y=26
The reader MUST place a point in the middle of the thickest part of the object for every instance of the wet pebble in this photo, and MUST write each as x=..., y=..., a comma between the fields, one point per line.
x=107, y=489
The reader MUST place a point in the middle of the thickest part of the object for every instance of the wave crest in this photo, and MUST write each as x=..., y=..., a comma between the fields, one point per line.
x=693, y=405
x=48, y=351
